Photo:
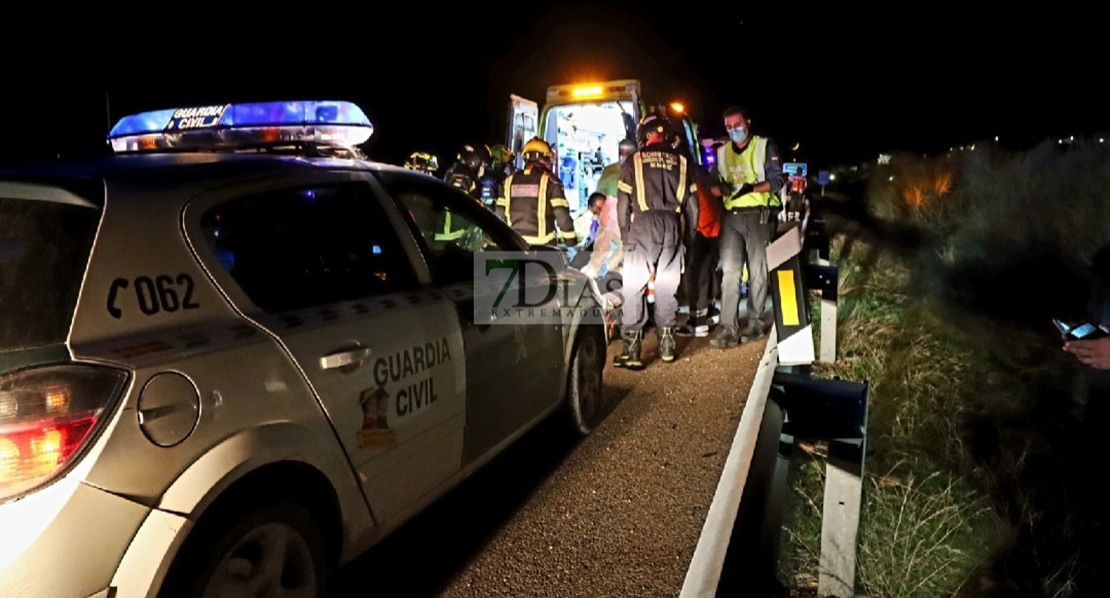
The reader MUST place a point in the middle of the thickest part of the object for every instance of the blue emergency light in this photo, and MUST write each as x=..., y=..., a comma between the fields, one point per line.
x=236, y=126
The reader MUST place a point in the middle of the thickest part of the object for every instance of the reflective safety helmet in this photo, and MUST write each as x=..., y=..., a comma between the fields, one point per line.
x=423, y=162
x=501, y=155
x=537, y=150
x=474, y=157
x=653, y=123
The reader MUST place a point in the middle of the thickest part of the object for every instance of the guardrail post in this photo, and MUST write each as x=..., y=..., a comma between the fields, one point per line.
x=828, y=327
x=840, y=516
x=823, y=278
x=831, y=410
x=834, y=411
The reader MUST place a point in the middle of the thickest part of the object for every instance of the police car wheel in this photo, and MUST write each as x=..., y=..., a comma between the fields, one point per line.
x=584, y=392
x=276, y=549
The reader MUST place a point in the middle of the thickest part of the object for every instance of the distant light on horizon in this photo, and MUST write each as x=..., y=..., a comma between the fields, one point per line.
x=996, y=137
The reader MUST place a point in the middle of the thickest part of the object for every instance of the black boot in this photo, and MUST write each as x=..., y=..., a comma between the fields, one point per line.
x=666, y=344
x=620, y=359
x=693, y=327
x=630, y=353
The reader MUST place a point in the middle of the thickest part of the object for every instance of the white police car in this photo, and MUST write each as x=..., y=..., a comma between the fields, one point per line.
x=234, y=355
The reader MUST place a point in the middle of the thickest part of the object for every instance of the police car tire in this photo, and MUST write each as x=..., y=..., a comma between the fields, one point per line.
x=585, y=395
x=212, y=546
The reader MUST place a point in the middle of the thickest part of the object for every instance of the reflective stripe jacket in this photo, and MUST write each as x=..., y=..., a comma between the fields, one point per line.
x=657, y=178
x=757, y=162
x=533, y=203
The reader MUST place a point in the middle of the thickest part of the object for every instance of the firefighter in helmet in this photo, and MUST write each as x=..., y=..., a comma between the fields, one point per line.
x=423, y=162
x=533, y=201
x=503, y=159
x=657, y=209
x=464, y=174
x=470, y=164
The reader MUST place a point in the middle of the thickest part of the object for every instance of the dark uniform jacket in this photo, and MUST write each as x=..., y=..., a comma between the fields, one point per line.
x=461, y=176
x=656, y=180
x=489, y=188
x=533, y=202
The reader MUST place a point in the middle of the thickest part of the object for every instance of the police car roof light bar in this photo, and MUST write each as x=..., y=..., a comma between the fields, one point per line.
x=231, y=126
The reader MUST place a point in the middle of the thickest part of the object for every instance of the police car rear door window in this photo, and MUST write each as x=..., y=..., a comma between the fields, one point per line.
x=310, y=246
x=46, y=236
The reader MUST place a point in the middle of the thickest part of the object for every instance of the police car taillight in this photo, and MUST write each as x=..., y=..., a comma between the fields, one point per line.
x=47, y=414
x=247, y=125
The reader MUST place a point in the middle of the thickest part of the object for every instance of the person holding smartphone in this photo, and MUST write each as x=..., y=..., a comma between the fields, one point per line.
x=1092, y=347
x=1093, y=350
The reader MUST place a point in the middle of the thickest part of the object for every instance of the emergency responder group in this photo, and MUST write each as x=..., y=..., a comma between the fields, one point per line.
x=661, y=221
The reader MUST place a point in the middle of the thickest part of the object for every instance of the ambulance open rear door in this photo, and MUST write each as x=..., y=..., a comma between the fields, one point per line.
x=523, y=125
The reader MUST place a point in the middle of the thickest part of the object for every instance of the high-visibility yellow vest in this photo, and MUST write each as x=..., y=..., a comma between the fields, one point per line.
x=745, y=167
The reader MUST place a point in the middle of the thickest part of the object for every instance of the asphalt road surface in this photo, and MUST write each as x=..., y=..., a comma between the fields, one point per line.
x=616, y=514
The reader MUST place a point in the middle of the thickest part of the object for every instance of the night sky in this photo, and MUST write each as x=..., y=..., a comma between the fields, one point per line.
x=846, y=86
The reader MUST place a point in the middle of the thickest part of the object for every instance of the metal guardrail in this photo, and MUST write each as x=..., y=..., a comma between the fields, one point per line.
x=707, y=564
x=739, y=547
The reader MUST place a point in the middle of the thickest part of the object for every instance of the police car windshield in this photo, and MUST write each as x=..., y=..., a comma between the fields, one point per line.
x=45, y=241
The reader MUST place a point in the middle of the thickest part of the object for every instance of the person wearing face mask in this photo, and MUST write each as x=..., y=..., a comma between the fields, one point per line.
x=533, y=201
x=748, y=175
x=611, y=174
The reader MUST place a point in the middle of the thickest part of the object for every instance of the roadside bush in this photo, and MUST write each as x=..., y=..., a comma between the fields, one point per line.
x=950, y=270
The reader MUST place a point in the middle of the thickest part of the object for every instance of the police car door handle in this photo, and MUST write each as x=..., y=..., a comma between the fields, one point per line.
x=340, y=359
